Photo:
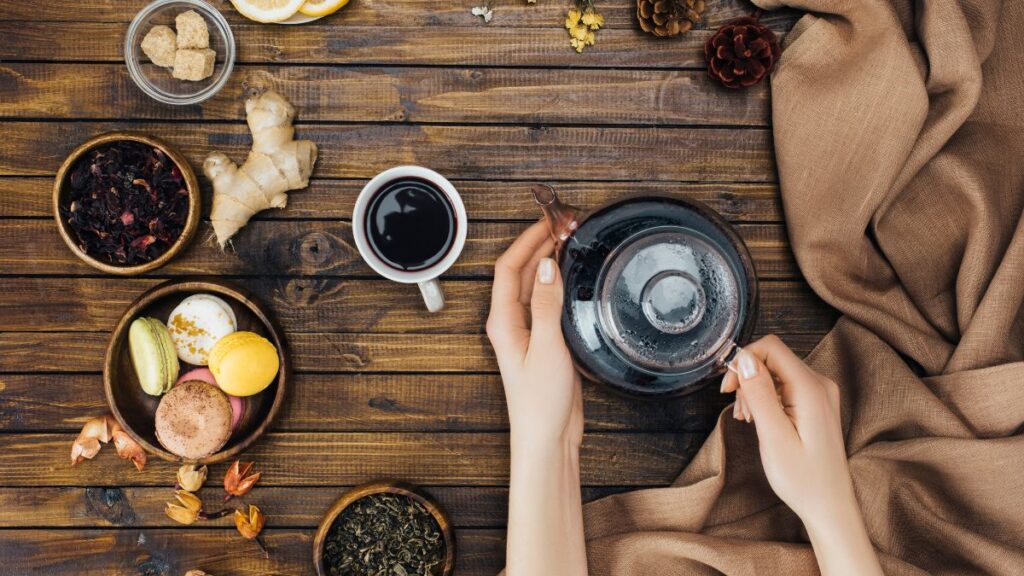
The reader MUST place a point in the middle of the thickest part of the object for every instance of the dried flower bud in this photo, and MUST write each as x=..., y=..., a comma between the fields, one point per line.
x=250, y=525
x=187, y=510
x=197, y=573
x=190, y=478
x=238, y=481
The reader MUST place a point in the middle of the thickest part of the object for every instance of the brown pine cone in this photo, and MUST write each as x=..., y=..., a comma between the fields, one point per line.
x=668, y=17
x=741, y=53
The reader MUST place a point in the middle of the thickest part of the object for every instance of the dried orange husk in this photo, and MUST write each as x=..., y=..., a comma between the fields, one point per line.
x=129, y=449
x=238, y=481
x=95, y=432
x=250, y=525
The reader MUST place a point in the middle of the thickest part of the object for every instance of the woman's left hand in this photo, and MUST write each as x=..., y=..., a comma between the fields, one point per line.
x=542, y=388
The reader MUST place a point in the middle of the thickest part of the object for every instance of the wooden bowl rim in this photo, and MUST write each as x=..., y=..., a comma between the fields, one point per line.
x=386, y=487
x=221, y=288
x=191, y=184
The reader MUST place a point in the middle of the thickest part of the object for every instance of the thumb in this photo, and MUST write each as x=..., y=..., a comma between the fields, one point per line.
x=760, y=396
x=546, y=303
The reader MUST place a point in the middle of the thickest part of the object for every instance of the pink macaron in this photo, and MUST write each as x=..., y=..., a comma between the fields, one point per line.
x=204, y=375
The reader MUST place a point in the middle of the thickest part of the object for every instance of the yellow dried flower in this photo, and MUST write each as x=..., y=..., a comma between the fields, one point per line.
x=250, y=526
x=590, y=38
x=572, y=18
x=577, y=45
x=592, y=19
x=187, y=510
x=579, y=32
x=190, y=478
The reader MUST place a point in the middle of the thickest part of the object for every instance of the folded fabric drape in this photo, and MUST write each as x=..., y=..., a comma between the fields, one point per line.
x=899, y=139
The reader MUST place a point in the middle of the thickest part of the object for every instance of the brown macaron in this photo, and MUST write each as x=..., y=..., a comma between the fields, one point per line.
x=193, y=420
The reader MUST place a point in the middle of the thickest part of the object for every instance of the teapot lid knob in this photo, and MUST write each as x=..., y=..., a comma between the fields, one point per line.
x=673, y=301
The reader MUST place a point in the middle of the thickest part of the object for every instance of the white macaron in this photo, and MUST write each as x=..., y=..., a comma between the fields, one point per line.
x=197, y=324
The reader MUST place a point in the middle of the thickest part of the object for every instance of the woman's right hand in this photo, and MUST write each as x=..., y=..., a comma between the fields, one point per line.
x=800, y=438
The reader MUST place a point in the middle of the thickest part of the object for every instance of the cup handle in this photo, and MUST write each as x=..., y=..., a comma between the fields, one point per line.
x=432, y=295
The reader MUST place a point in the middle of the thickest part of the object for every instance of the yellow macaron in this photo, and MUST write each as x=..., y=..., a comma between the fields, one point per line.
x=244, y=363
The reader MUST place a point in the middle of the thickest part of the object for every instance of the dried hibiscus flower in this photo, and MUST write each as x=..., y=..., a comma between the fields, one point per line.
x=127, y=202
x=238, y=481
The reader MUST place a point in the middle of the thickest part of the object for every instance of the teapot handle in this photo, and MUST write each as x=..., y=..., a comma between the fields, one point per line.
x=562, y=219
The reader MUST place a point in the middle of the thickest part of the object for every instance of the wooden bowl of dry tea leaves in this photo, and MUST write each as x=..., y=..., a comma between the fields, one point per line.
x=126, y=203
x=385, y=527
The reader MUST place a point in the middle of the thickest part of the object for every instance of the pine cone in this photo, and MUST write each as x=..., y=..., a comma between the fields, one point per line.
x=668, y=17
x=741, y=53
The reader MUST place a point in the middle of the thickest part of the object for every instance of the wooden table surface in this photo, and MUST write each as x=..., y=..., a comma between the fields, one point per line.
x=381, y=389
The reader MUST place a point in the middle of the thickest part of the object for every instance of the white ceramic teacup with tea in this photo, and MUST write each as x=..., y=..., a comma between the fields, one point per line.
x=409, y=225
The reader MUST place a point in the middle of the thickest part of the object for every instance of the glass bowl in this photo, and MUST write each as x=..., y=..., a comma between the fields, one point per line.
x=157, y=81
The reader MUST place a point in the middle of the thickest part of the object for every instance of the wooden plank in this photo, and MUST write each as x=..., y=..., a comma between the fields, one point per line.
x=143, y=507
x=22, y=196
x=368, y=403
x=219, y=551
x=438, y=95
x=477, y=152
x=334, y=305
x=312, y=248
x=340, y=459
x=398, y=13
x=382, y=45
x=308, y=352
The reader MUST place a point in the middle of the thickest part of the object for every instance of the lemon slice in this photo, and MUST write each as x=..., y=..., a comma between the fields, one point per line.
x=321, y=7
x=267, y=10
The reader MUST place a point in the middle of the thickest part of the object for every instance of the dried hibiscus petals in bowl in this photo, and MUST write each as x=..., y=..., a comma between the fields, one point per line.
x=126, y=203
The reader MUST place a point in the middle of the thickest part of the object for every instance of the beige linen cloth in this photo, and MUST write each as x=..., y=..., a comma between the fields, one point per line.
x=899, y=137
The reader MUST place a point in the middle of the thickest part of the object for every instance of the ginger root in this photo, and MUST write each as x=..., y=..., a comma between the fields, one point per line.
x=276, y=164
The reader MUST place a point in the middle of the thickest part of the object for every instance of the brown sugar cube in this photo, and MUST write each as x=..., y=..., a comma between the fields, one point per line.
x=193, y=65
x=159, y=46
x=192, y=30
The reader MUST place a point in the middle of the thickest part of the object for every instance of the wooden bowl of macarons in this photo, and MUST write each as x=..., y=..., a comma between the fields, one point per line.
x=196, y=371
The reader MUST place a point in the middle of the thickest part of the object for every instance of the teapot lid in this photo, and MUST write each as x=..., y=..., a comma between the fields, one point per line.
x=657, y=292
x=668, y=300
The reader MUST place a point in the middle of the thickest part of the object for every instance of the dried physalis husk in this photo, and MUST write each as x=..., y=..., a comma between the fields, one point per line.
x=187, y=508
x=128, y=448
x=197, y=573
x=191, y=478
x=238, y=481
x=250, y=525
x=94, y=433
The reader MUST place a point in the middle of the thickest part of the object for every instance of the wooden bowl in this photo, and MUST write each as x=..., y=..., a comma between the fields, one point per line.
x=191, y=221
x=386, y=487
x=135, y=410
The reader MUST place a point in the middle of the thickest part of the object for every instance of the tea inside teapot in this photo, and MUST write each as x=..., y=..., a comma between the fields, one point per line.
x=658, y=291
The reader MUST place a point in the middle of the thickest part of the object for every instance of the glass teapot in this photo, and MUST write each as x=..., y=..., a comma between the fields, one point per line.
x=659, y=291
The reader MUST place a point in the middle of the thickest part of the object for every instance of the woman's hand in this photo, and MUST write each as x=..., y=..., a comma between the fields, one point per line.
x=542, y=388
x=545, y=411
x=800, y=437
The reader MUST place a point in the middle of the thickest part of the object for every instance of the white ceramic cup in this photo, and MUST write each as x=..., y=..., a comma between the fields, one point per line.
x=426, y=279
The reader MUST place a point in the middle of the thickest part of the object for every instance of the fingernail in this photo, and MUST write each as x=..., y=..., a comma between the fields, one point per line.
x=736, y=410
x=546, y=271
x=721, y=389
x=745, y=364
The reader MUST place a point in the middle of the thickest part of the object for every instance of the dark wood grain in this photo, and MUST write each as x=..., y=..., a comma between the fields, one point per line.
x=481, y=152
x=374, y=94
x=25, y=196
x=368, y=403
x=360, y=44
x=335, y=459
x=335, y=305
x=310, y=352
x=399, y=13
x=143, y=507
x=319, y=248
x=220, y=551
